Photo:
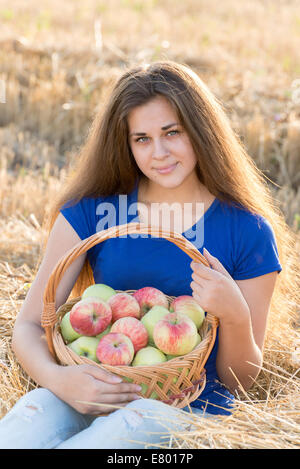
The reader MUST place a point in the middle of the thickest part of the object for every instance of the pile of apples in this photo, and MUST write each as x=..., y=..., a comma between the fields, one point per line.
x=139, y=329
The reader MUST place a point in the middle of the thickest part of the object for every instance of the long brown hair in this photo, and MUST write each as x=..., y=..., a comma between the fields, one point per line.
x=105, y=164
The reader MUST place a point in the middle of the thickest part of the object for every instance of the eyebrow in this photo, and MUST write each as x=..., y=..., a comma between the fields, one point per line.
x=165, y=127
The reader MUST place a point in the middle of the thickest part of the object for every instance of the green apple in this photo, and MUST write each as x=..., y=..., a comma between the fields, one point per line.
x=148, y=356
x=85, y=346
x=187, y=304
x=129, y=380
x=180, y=369
x=98, y=290
x=67, y=330
x=170, y=357
x=144, y=387
x=198, y=340
x=153, y=395
x=149, y=320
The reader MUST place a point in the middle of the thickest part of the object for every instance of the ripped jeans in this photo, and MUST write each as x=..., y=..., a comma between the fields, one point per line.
x=40, y=420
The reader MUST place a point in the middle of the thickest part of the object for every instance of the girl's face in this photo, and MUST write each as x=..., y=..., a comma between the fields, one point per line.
x=160, y=145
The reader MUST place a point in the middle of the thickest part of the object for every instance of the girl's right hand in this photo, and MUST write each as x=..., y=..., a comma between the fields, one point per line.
x=92, y=385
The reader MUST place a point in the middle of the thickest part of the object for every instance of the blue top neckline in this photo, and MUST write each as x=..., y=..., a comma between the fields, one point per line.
x=205, y=215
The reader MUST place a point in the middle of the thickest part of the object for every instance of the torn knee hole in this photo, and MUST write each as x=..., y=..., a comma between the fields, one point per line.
x=31, y=407
x=30, y=410
x=133, y=419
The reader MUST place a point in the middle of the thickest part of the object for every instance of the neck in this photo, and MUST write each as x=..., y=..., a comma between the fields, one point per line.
x=189, y=191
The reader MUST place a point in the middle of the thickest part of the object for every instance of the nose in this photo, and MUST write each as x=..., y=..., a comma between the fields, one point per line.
x=160, y=151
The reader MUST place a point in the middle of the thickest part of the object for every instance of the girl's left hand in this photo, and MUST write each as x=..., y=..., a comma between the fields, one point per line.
x=216, y=291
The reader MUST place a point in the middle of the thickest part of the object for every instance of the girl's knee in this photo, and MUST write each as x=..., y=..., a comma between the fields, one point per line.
x=39, y=420
x=42, y=404
x=152, y=407
x=36, y=402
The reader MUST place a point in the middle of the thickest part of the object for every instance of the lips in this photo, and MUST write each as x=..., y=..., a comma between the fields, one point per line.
x=166, y=169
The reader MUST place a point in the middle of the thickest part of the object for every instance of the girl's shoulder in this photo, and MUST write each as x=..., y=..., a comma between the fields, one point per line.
x=254, y=248
x=82, y=214
x=93, y=213
x=241, y=218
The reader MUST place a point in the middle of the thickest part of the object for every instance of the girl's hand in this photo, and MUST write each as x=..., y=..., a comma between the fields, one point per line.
x=90, y=384
x=216, y=291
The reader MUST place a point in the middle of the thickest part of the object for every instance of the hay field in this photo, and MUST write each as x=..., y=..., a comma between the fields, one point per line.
x=58, y=61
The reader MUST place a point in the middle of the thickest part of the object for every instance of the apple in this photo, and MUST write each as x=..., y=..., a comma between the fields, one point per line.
x=175, y=377
x=85, y=347
x=67, y=330
x=115, y=349
x=198, y=340
x=134, y=329
x=106, y=331
x=144, y=387
x=98, y=290
x=148, y=297
x=122, y=305
x=90, y=316
x=150, y=319
x=187, y=304
x=170, y=357
x=149, y=356
x=175, y=334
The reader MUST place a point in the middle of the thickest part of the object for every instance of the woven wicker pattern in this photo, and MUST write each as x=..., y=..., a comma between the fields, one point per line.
x=178, y=381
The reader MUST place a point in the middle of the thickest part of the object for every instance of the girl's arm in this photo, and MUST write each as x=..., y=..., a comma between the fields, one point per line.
x=70, y=383
x=242, y=341
x=242, y=308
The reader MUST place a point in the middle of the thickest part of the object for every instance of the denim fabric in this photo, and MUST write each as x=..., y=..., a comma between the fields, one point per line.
x=40, y=420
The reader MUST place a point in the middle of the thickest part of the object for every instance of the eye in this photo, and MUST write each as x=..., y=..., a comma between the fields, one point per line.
x=144, y=139
x=176, y=132
x=140, y=139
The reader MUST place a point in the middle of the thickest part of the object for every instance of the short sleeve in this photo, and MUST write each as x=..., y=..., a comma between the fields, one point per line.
x=80, y=216
x=256, y=251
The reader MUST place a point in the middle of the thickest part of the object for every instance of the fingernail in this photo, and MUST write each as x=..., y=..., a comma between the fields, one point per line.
x=117, y=379
x=138, y=388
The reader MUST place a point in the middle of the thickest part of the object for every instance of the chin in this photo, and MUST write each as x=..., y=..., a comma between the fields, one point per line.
x=170, y=182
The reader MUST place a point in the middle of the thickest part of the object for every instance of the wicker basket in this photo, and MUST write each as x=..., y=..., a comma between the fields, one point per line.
x=178, y=381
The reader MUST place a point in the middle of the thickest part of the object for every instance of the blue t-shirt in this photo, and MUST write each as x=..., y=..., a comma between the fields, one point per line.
x=244, y=243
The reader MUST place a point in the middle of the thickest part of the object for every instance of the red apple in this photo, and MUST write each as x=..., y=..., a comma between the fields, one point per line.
x=134, y=329
x=90, y=316
x=115, y=349
x=122, y=305
x=175, y=334
x=187, y=304
x=148, y=297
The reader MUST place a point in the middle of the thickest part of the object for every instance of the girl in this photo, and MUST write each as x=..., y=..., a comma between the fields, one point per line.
x=162, y=139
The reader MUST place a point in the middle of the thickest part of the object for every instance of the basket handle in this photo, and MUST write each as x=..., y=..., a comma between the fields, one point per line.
x=49, y=316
